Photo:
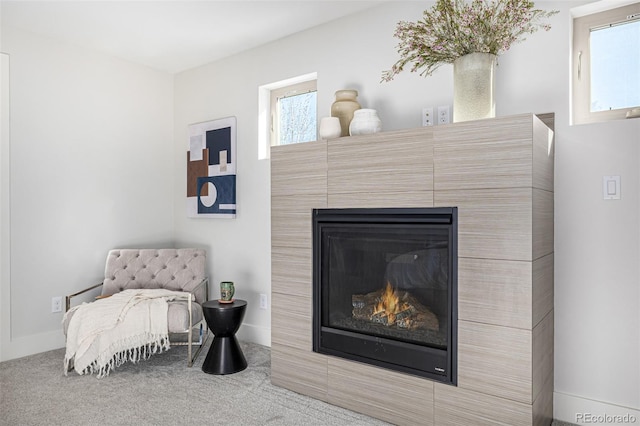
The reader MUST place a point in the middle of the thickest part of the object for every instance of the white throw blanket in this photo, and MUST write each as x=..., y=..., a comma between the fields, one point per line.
x=128, y=326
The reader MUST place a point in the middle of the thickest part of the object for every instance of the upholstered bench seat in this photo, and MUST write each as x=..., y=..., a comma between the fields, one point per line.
x=177, y=317
x=170, y=269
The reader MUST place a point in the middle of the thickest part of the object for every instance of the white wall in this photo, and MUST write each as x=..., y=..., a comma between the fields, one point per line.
x=597, y=302
x=238, y=249
x=86, y=166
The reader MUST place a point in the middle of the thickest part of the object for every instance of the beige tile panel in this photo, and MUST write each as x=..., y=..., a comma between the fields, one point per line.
x=299, y=169
x=542, y=353
x=492, y=224
x=503, y=163
x=495, y=292
x=397, y=398
x=291, y=271
x=542, y=287
x=542, y=223
x=548, y=118
x=463, y=407
x=384, y=162
x=543, y=405
x=495, y=360
x=291, y=219
x=543, y=156
x=301, y=371
x=291, y=321
x=514, y=127
x=503, y=370
x=381, y=199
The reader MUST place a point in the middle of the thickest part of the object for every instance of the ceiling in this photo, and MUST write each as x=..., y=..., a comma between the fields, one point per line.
x=177, y=35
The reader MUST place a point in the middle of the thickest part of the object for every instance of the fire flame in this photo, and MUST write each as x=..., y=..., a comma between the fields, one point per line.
x=389, y=303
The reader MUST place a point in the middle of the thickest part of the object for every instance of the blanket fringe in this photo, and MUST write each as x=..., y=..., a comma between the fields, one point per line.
x=158, y=345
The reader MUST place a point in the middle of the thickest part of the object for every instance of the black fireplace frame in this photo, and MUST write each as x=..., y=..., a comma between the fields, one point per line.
x=434, y=363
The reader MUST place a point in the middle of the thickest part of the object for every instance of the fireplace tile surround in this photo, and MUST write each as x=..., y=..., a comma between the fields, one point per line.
x=499, y=173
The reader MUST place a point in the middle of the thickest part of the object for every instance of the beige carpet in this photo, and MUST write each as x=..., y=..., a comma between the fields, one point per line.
x=159, y=391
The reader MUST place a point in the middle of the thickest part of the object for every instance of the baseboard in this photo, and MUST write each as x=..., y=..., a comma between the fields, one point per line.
x=255, y=334
x=32, y=344
x=583, y=411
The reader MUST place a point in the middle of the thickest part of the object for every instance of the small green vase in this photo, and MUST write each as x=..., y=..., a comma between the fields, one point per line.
x=227, y=290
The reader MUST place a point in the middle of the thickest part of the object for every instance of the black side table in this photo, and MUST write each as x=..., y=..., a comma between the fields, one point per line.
x=225, y=355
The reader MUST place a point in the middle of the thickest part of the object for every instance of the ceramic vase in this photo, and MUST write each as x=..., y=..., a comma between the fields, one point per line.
x=365, y=121
x=329, y=128
x=473, y=87
x=227, y=289
x=343, y=108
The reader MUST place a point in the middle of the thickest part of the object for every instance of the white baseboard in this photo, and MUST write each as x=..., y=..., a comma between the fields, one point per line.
x=582, y=411
x=32, y=344
x=255, y=334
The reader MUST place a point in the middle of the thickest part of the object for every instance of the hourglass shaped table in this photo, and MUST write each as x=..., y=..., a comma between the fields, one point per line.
x=225, y=355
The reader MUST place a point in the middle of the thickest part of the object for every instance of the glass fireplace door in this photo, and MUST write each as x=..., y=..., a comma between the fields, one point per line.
x=384, y=287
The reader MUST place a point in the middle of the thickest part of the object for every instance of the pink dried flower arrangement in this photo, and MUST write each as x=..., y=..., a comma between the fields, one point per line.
x=454, y=28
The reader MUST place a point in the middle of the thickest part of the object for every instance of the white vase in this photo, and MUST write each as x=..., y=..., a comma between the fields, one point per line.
x=329, y=128
x=473, y=87
x=365, y=121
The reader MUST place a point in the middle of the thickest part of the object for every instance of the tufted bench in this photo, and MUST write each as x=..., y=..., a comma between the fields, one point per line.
x=169, y=269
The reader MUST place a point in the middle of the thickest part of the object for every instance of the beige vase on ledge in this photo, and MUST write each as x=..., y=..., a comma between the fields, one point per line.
x=345, y=105
x=473, y=87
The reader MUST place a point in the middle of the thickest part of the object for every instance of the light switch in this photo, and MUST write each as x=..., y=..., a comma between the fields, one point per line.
x=611, y=187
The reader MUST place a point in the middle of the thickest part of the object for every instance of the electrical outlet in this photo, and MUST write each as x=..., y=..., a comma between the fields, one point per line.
x=56, y=304
x=264, y=302
x=443, y=115
x=427, y=116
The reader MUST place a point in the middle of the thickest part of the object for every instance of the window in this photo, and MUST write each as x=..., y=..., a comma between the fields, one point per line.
x=294, y=114
x=288, y=113
x=606, y=64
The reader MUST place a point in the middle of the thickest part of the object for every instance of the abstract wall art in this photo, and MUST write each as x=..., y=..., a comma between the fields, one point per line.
x=211, y=169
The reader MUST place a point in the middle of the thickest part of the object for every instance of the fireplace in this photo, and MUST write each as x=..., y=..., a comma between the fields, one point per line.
x=385, y=288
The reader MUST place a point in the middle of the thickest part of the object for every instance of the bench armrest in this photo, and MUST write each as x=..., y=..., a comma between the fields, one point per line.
x=199, y=287
x=69, y=297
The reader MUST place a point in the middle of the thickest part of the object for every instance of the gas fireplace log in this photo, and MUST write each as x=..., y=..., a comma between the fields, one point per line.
x=364, y=305
x=409, y=313
x=425, y=320
x=358, y=301
x=406, y=313
x=364, y=313
x=381, y=318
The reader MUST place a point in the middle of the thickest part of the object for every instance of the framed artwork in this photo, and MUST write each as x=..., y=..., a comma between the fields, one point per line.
x=211, y=169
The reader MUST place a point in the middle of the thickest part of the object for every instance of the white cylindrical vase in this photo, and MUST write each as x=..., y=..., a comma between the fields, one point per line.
x=473, y=87
x=329, y=128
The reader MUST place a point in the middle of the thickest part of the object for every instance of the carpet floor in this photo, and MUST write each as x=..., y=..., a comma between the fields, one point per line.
x=159, y=391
